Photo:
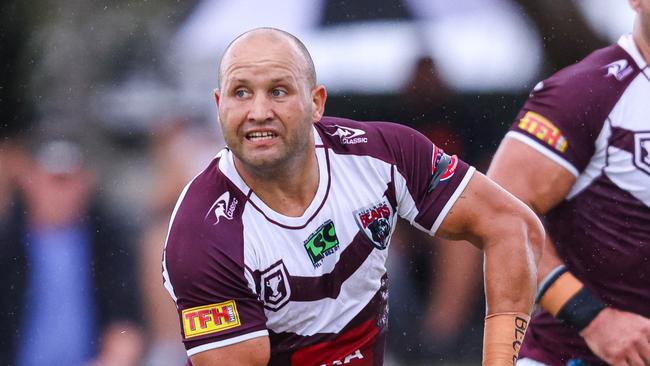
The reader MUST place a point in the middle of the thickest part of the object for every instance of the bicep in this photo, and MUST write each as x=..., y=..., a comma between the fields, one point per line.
x=484, y=210
x=252, y=352
x=532, y=177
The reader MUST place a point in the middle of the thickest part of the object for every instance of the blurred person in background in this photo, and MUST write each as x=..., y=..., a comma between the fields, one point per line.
x=178, y=151
x=69, y=289
x=436, y=298
x=579, y=154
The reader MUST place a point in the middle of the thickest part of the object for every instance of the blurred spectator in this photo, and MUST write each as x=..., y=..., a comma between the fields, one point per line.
x=178, y=153
x=69, y=294
x=435, y=290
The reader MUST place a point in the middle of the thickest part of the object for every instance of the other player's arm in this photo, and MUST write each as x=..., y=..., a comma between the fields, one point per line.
x=615, y=336
x=511, y=237
x=253, y=352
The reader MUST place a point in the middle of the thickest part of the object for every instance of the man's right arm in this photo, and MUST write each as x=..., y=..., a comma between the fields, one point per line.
x=617, y=337
x=253, y=352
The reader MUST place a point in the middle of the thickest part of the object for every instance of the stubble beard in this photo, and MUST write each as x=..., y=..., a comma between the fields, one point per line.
x=287, y=158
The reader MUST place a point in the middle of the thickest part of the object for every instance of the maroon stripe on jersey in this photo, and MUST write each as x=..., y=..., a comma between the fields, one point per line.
x=327, y=191
x=623, y=138
x=390, y=190
x=375, y=313
x=329, y=284
x=602, y=235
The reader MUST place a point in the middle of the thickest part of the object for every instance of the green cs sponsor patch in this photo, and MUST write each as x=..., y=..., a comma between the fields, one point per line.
x=322, y=243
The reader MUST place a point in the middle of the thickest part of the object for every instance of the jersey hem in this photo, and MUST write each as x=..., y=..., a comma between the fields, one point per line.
x=537, y=146
x=445, y=210
x=226, y=342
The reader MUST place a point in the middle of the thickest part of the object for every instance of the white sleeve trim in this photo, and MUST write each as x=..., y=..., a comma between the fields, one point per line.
x=226, y=342
x=539, y=147
x=452, y=199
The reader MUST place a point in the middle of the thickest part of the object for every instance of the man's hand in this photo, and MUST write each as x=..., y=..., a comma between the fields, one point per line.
x=620, y=338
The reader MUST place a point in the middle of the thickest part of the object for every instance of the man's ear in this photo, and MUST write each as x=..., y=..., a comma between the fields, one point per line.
x=217, y=96
x=318, y=98
x=635, y=5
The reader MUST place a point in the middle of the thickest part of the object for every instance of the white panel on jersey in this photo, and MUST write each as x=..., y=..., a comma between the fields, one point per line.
x=633, y=108
x=596, y=164
x=622, y=172
x=407, y=208
x=332, y=315
x=529, y=362
x=535, y=144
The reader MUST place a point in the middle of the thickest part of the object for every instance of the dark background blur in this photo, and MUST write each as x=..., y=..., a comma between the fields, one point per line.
x=129, y=83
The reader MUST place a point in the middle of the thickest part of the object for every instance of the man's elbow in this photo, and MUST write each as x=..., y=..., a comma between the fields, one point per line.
x=535, y=234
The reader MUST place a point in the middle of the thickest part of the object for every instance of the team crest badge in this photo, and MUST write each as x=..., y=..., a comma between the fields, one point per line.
x=376, y=222
x=642, y=151
x=274, y=287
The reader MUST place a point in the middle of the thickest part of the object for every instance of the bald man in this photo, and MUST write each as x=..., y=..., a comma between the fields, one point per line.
x=276, y=252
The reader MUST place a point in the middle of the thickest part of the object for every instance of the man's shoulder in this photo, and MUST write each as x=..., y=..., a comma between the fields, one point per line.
x=604, y=72
x=379, y=139
x=209, y=203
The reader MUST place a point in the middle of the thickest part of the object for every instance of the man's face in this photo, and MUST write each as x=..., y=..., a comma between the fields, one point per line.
x=266, y=106
x=642, y=8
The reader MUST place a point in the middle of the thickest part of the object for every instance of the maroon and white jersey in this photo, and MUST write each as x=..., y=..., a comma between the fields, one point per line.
x=316, y=284
x=593, y=118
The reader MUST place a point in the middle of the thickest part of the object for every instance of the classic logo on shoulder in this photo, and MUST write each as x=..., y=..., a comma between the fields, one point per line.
x=642, y=151
x=222, y=207
x=274, y=287
x=321, y=243
x=349, y=135
x=376, y=222
x=619, y=69
x=544, y=130
x=210, y=319
x=443, y=167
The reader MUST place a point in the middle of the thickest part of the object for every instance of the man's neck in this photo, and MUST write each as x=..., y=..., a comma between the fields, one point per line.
x=287, y=190
x=642, y=42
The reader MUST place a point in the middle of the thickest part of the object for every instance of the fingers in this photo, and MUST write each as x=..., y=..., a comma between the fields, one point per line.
x=634, y=359
x=644, y=350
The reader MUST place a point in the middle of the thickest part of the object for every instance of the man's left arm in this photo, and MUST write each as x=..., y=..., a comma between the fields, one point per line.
x=512, y=237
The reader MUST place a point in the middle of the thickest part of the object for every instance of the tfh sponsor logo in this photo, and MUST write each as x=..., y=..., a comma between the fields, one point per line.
x=619, y=69
x=642, y=151
x=376, y=222
x=544, y=130
x=210, y=318
x=274, y=287
x=222, y=207
x=322, y=243
x=349, y=135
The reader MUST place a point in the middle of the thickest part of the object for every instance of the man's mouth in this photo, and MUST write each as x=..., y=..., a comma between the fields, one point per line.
x=260, y=135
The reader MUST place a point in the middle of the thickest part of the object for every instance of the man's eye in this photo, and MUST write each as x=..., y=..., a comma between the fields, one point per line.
x=241, y=93
x=278, y=93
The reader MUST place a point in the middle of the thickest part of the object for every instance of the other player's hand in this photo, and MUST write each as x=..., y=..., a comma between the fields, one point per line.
x=620, y=338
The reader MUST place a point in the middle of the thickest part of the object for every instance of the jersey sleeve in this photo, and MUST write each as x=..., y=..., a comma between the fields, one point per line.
x=565, y=113
x=427, y=180
x=204, y=272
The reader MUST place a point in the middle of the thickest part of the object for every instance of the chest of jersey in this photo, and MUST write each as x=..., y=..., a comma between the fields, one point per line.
x=332, y=263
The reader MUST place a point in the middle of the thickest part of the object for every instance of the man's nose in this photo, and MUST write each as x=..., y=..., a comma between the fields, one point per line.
x=261, y=109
